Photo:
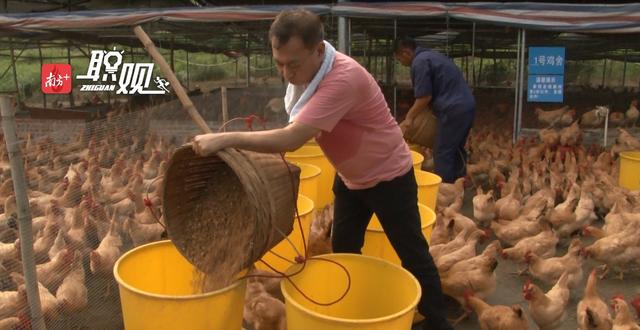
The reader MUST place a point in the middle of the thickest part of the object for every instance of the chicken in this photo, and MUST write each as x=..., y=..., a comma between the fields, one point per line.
x=58, y=245
x=105, y=256
x=484, y=207
x=497, y=317
x=592, y=312
x=635, y=302
x=548, y=310
x=467, y=251
x=542, y=244
x=448, y=192
x=623, y=319
x=552, y=116
x=549, y=137
x=583, y=216
x=9, y=304
x=571, y=135
x=626, y=139
x=72, y=293
x=510, y=232
x=595, y=117
x=632, y=114
x=481, y=280
x=458, y=242
x=549, y=270
x=52, y=273
x=567, y=118
x=10, y=323
x=48, y=302
x=616, y=250
x=508, y=207
x=617, y=119
x=263, y=311
x=142, y=233
x=455, y=206
x=320, y=233
x=442, y=231
x=490, y=252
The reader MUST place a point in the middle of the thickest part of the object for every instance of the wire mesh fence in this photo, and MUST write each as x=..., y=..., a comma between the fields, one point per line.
x=94, y=193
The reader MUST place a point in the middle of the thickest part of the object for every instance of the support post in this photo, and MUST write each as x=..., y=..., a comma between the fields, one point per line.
x=24, y=212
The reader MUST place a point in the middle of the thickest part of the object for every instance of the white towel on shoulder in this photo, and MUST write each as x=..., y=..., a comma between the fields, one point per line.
x=297, y=96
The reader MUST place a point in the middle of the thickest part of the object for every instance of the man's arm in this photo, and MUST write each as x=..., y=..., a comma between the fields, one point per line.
x=420, y=104
x=278, y=140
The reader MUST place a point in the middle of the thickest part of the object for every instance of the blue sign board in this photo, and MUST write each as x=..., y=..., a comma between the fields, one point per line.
x=545, y=88
x=546, y=60
x=546, y=74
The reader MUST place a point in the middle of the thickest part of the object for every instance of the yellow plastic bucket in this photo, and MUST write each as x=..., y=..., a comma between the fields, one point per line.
x=313, y=155
x=376, y=243
x=309, y=178
x=311, y=142
x=367, y=305
x=629, y=170
x=284, y=248
x=417, y=158
x=428, y=185
x=157, y=292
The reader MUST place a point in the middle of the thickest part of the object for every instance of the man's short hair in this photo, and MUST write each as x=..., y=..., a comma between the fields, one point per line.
x=297, y=23
x=404, y=42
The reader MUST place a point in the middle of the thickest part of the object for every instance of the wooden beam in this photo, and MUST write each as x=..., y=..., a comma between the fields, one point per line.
x=15, y=74
x=44, y=96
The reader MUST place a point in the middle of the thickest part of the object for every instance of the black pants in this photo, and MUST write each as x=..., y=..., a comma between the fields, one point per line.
x=395, y=203
x=449, y=155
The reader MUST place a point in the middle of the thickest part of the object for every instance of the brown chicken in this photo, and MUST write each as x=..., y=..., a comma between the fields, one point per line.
x=542, y=244
x=594, y=118
x=548, y=310
x=498, y=317
x=632, y=113
x=623, y=320
x=320, y=232
x=448, y=192
x=481, y=280
x=549, y=270
x=509, y=206
x=552, y=116
x=484, y=207
x=616, y=251
x=72, y=293
x=592, y=311
x=571, y=135
x=467, y=251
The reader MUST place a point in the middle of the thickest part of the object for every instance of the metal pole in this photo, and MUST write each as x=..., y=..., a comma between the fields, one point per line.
x=188, y=77
x=24, y=212
x=522, y=65
x=72, y=102
x=624, y=70
x=44, y=96
x=342, y=32
x=15, y=73
x=604, y=71
x=225, y=108
x=517, y=89
x=393, y=63
x=473, y=53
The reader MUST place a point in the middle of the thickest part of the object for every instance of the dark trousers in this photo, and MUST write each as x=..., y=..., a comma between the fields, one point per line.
x=449, y=155
x=395, y=203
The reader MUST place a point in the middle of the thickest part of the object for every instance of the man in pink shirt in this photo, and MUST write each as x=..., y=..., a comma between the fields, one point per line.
x=351, y=122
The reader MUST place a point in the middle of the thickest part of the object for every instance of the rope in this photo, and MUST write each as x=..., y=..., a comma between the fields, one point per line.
x=301, y=258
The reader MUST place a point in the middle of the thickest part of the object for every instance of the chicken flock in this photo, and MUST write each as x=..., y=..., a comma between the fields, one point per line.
x=99, y=195
x=91, y=200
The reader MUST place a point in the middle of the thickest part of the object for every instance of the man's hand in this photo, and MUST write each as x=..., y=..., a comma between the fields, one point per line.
x=207, y=144
x=405, y=125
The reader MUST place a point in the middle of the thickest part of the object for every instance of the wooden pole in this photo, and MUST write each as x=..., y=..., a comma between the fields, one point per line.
x=177, y=87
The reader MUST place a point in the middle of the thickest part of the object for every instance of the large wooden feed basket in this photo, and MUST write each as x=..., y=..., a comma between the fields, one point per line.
x=226, y=210
x=423, y=129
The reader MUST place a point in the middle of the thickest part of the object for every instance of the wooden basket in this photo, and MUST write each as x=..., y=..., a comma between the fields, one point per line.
x=423, y=129
x=226, y=210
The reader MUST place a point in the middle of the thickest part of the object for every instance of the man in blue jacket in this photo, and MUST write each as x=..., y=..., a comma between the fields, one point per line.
x=439, y=84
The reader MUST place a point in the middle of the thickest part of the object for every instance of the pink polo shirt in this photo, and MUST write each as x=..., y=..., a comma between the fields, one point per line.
x=359, y=135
